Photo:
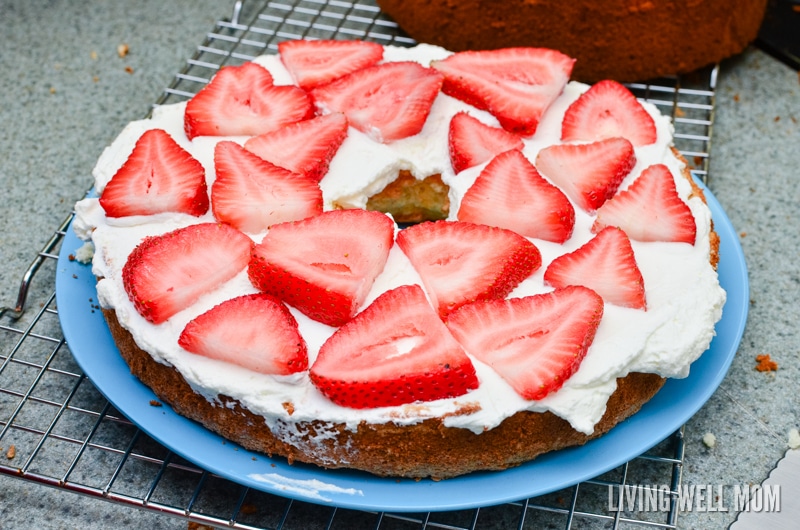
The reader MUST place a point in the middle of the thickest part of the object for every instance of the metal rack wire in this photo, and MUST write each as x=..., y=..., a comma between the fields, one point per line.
x=48, y=407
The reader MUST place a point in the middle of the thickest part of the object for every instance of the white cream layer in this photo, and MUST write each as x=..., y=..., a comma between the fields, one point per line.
x=684, y=299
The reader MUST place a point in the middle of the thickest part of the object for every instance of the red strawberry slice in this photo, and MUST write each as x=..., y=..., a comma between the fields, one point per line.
x=387, y=101
x=306, y=147
x=254, y=331
x=396, y=351
x=325, y=265
x=166, y=274
x=461, y=262
x=252, y=194
x=472, y=142
x=608, y=110
x=511, y=194
x=650, y=210
x=159, y=176
x=535, y=343
x=516, y=85
x=589, y=174
x=607, y=265
x=241, y=100
x=316, y=62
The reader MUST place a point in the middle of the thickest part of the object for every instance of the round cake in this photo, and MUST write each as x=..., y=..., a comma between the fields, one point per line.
x=403, y=260
x=626, y=40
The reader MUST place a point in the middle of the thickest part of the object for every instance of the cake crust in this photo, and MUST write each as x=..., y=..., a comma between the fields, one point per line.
x=611, y=39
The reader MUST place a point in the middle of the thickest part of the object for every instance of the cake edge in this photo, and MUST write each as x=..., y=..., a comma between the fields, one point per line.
x=425, y=449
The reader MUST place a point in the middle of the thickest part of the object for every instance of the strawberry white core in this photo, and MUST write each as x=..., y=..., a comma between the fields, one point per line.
x=684, y=299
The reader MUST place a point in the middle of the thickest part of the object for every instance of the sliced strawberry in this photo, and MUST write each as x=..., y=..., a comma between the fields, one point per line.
x=254, y=331
x=241, y=100
x=650, y=210
x=607, y=265
x=472, y=142
x=516, y=85
x=166, y=274
x=325, y=265
x=252, y=194
x=159, y=176
x=394, y=352
x=316, y=62
x=608, y=110
x=589, y=174
x=510, y=193
x=306, y=147
x=460, y=262
x=387, y=101
x=535, y=343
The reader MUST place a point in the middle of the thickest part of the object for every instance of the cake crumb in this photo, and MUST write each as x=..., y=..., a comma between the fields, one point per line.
x=129, y=69
x=12, y=452
x=123, y=49
x=709, y=440
x=85, y=253
x=794, y=439
x=765, y=363
x=198, y=526
x=155, y=403
x=464, y=409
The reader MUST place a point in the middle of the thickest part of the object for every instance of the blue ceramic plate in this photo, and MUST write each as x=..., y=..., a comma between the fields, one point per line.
x=93, y=348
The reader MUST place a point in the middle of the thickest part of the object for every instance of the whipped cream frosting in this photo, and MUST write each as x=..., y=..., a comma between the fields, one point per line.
x=684, y=298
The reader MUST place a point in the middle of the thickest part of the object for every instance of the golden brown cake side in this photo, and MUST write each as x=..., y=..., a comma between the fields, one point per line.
x=426, y=449
x=626, y=40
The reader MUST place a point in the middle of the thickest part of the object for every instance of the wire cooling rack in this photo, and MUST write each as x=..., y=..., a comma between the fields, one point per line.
x=48, y=408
